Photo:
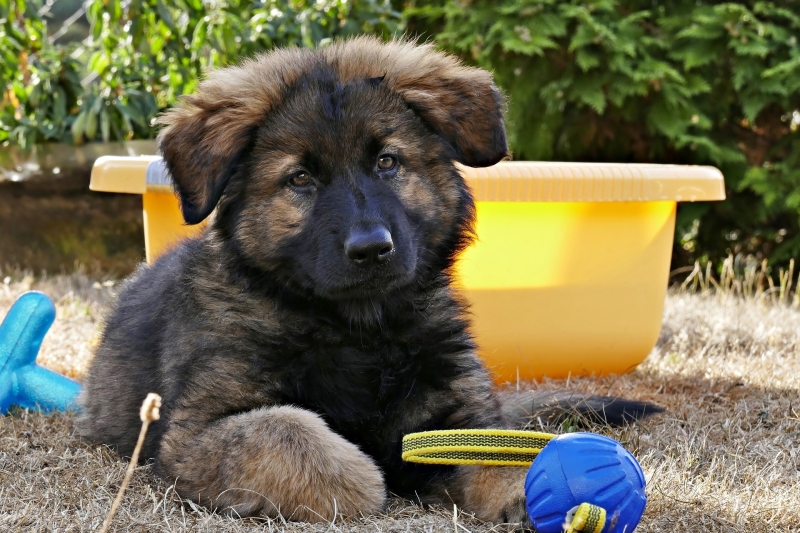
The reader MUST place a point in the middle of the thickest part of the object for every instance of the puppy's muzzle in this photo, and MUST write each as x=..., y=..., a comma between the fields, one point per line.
x=369, y=247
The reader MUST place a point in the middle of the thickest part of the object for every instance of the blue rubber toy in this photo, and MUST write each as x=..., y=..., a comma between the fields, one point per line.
x=579, y=468
x=22, y=381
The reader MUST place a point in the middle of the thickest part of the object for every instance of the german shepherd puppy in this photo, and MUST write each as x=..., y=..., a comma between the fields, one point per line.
x=313, y=324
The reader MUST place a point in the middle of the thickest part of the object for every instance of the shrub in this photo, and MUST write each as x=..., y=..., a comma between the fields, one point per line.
x=143, y=54
x=41, y=83
x=687, y=82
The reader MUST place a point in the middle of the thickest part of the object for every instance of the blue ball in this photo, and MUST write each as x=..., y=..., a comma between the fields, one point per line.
x=585, y=468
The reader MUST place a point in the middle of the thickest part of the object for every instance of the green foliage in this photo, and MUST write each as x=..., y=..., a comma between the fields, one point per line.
x=687, y=82
x=41, y=83
x=144, y=54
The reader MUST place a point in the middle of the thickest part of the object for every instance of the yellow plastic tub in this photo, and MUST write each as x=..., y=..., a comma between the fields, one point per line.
x=570, y=270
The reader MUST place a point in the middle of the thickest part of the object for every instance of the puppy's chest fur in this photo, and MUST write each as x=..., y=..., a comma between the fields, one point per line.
x=352, y=378
x=372, y=388
x=371, y=383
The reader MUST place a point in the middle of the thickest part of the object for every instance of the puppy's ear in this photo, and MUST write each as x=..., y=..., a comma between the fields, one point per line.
x=210, y=132
x=462, y=104
x=466, y=110
x=202, y=146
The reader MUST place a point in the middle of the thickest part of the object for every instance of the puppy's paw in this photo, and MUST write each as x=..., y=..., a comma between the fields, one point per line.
x=351, y=484
x=275, y=461
x=310, y=473
x=496, y=494
x=515, y=514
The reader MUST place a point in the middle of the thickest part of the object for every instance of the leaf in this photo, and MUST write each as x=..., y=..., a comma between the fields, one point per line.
x=99, y=62
x=59, y=105
x=137, y=34
x=156, y=44
x=34, y=97
x=166, y=16
x=126, y=123
x=97, y=104
x=583, y=36
x=586, y=59
x=29, y=139
x=132, y=113
x=696, y=84
x=199, y=37
x=105, y=125
x=78, y=128
x=702, y=32
x=751, y=47
x=667, y=119
x=592, y=95
x=753, y=105
x=94, y=12
x=697, y=53
x=91, y=124
x=784, y=68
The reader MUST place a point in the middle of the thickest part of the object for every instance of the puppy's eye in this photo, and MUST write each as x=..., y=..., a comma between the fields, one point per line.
x=301, y=180
x=386, y=162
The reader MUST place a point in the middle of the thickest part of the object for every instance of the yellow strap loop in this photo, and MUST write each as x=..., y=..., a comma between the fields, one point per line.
x=488, y=447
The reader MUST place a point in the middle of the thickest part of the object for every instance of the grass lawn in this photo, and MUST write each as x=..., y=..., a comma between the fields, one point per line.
x=724, y=457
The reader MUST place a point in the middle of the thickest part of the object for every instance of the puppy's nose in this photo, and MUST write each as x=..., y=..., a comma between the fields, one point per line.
x=369, y=247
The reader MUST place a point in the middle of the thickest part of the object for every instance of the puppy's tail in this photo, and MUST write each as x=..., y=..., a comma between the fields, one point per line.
x=523, y=409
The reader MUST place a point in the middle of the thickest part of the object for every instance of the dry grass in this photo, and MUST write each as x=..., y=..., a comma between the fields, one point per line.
x=724, y=457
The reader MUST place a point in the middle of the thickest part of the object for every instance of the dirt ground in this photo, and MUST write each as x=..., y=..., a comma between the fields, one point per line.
x=724, y=457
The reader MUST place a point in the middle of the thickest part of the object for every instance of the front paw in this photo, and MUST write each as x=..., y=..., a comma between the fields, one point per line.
x=496, y=494
x=515, y=514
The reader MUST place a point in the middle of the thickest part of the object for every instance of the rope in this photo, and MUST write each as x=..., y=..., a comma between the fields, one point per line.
x=494, y=447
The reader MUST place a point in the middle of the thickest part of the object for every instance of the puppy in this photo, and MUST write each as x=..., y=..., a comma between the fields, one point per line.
x=313, y=324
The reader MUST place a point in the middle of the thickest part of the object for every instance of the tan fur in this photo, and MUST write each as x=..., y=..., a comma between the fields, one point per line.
x=495, y=494
x=433, y=194
x=417, y=194
x=269, y=223
x=287, y=462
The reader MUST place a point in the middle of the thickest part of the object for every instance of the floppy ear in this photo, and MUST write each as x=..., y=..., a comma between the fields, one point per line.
x=210, y=132
x=461, y=104
x=202, y=147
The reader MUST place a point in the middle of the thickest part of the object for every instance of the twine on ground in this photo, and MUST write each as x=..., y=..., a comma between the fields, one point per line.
x=148, y=413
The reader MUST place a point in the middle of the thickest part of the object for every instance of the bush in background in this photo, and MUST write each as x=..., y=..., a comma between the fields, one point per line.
x=143, y=54
x=687, y=82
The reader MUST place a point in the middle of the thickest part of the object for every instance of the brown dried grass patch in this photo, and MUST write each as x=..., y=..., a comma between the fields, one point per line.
x=725, y=457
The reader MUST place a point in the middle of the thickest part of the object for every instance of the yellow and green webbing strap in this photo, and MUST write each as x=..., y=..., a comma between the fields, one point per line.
x=488, y=447
x=494, y=447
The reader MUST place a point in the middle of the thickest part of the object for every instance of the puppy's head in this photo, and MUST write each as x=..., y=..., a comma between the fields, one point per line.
x=334, y=169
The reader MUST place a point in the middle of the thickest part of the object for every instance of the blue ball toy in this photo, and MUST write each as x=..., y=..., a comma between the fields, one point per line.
x=22, y=381
x=579, y=468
